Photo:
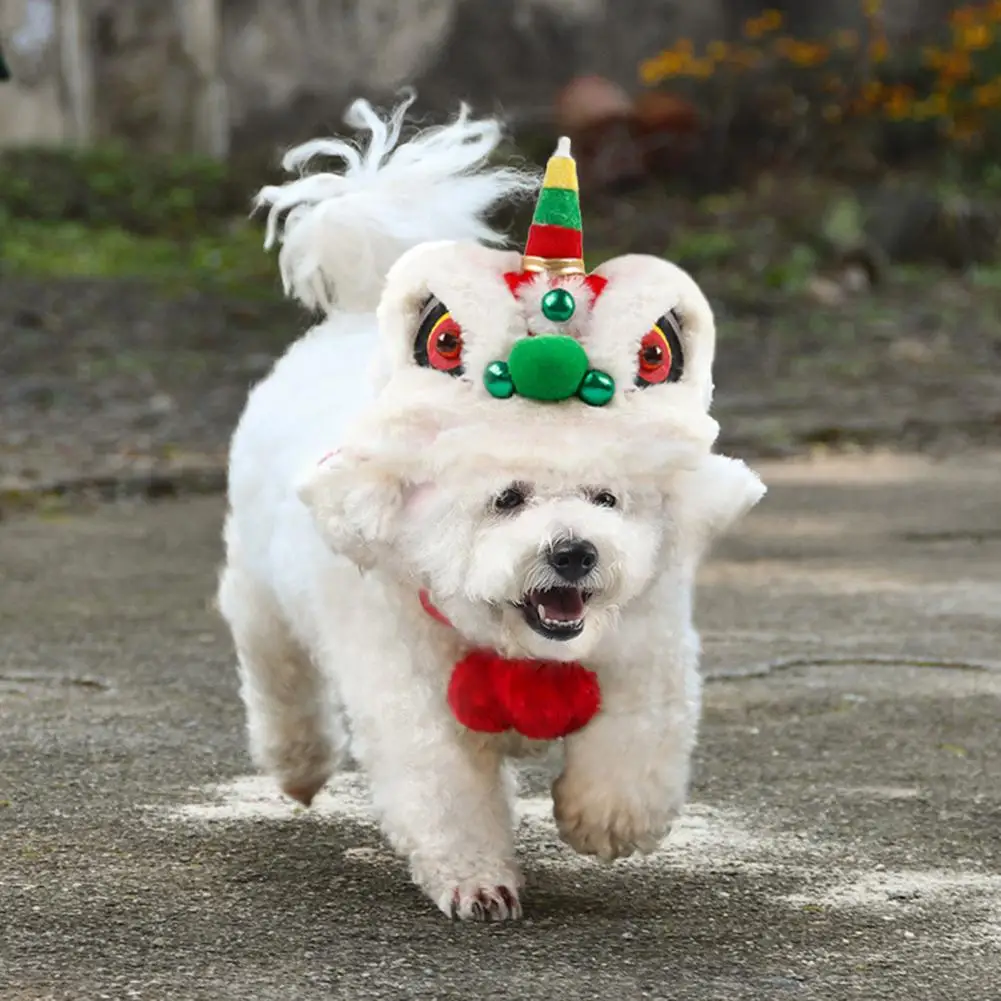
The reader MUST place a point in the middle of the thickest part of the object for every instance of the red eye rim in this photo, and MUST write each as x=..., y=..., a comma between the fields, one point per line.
x=654, y=357
x=438, y=343
x=444, y=344
x=660, y=358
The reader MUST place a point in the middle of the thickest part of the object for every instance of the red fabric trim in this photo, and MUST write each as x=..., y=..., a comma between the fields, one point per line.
x=515, y=279
x=596, y=283
x=554, y=242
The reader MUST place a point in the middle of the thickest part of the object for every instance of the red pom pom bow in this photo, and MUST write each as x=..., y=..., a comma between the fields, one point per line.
x=542, y=700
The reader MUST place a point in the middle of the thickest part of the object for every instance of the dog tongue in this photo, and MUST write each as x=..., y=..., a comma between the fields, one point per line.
x=564, y=604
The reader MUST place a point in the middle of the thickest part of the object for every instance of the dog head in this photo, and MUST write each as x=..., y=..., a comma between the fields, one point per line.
x=529, y=559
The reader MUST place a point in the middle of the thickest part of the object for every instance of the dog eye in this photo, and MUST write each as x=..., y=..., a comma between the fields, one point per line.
x=438, y=342
x=512, y=498
x=604, y=498
x=661, y=357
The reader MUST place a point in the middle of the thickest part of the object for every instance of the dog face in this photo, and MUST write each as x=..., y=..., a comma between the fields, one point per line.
x=530, y=562
x=536, y=568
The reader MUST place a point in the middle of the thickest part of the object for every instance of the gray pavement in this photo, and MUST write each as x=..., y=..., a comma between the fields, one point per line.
x=843, y=839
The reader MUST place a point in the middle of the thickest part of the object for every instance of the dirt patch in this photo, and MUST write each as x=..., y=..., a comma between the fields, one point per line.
x=109, y=385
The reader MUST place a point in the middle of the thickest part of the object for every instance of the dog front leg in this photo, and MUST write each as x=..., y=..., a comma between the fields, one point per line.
x=625, y=776
x=441, y=791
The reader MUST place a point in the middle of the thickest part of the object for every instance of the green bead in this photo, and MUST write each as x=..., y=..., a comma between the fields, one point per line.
x=558, y=305
x=498, y=381
x=547, y=368
x=597, y=388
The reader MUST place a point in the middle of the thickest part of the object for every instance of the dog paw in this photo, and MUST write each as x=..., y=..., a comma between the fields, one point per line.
x=489, y=894
x=472, y=902
x=607, y=823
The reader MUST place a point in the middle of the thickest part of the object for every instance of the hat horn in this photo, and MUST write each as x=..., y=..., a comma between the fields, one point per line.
x=555, y=239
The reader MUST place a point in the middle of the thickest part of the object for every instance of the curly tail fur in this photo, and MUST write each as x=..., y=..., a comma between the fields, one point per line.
x=341, y=232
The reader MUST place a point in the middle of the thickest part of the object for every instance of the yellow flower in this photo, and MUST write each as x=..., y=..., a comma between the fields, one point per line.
x=806, y=53
x=832, y=113
x=771, y=19
x=871, y=7
x=650, y=71
x=669, y=63
x=974, y=37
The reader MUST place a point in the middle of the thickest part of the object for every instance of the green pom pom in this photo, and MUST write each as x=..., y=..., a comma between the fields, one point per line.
x=597, y=388
x=547, y=368
x=558, y=305
x=497, y=379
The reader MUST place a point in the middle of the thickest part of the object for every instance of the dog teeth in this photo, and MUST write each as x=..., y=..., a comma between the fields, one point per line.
x=552, y=623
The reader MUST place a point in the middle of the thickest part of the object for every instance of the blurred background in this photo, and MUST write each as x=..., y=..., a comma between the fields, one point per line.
x=829, y=172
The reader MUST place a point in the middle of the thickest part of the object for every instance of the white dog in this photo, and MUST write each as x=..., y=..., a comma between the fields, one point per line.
x=476, y=450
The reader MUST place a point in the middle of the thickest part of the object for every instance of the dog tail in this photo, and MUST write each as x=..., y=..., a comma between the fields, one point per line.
x=341, y=232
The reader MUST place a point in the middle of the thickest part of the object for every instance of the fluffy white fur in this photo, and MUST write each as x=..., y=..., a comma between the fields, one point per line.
x=325, y=556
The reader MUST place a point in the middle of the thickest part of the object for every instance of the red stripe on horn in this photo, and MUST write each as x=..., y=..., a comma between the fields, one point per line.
x=554, y=242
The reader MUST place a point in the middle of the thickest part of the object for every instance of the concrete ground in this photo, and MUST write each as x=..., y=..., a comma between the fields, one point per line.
x=842, y=842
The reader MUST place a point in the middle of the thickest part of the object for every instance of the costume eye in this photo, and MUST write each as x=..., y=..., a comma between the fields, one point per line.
x=512, y=498
x=604, y=498
x=661, y=358
x=438, y=343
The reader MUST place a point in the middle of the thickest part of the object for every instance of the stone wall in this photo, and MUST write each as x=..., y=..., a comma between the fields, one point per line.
x=214, y=75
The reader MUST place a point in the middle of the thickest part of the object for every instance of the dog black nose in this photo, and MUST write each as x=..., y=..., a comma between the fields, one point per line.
x=573, y=559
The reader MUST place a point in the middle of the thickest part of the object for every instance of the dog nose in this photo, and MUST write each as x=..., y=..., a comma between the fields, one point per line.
x=573, y=559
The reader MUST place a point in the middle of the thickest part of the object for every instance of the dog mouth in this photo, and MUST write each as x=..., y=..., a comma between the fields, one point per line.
x=556, y=612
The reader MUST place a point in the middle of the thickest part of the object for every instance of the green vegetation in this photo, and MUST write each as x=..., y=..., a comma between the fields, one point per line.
x=230, y=262
x=105, y=212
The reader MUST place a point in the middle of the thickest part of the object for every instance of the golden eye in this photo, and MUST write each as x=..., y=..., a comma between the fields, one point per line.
x=660, y=358
x=438, y=342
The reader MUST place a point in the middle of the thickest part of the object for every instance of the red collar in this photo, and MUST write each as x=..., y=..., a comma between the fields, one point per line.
x=540, y=699
x=428, y=605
